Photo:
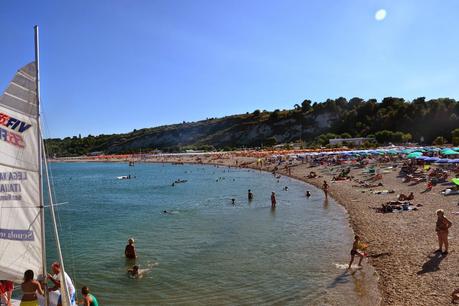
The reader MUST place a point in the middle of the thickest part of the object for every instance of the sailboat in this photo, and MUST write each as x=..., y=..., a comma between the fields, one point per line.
x=23, y=170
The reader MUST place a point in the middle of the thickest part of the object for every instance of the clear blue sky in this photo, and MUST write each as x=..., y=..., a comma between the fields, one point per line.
x=113, y=66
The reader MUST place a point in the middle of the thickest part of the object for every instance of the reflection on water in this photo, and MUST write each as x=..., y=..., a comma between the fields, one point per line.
x=209, y=251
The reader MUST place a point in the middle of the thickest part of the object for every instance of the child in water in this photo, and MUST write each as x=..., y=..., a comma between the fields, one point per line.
x=134, y=271
x=355, y=251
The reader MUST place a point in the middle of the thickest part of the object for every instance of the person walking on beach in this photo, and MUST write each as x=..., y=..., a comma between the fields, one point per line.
x=325, y=188
x=88, y=298
x=30, y=287
x=355, y=251
x=129, y=251
x=273, y=200
x=441, y=228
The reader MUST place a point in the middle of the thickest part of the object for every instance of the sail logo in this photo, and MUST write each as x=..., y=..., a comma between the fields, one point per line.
x=15, y=125
x=18, y=235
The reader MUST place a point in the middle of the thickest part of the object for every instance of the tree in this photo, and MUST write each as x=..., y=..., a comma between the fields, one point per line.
x=271, y=141
x=274, y=115
x=306, y=105
x=297, y=107
x=439, y=141
x=407, y=137
x=383, y=136
x=455, y=137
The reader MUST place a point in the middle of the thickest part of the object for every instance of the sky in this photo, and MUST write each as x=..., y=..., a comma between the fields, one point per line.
x=114, y=66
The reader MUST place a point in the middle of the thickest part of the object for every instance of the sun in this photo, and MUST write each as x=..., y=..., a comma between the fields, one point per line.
x=380, y=14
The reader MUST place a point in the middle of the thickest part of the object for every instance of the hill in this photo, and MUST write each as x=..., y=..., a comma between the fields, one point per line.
x=392, y=119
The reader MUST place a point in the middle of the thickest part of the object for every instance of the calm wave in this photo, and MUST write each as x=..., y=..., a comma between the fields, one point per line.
x=206, y=251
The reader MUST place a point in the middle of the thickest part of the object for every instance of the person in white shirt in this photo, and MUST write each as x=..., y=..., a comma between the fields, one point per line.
x=55, y=279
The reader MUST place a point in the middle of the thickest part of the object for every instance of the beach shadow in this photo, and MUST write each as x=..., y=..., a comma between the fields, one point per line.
x=343, y=278
x=432, y=265
x=380, y=254
x=425, y=191
x=326, y=203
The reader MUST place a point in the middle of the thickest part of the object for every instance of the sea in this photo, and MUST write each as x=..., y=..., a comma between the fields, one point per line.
x=195, y=247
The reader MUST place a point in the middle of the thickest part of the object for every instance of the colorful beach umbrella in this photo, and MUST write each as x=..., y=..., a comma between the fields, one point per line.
x=455, y=181
x=414, y=155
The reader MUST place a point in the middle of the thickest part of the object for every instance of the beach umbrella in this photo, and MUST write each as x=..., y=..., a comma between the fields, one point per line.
x=455, y=181
x=442, y=161
x=414, y=155
x=448, y=152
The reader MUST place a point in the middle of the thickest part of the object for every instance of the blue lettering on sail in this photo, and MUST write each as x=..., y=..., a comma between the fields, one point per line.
x=18, y=235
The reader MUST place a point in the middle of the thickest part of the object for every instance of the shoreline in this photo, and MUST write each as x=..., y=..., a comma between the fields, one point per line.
x=401, y=244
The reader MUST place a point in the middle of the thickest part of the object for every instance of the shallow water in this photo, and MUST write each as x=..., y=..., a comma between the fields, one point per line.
x=207, y=251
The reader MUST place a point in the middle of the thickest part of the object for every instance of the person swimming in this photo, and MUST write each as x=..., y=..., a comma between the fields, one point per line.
x=134, y=271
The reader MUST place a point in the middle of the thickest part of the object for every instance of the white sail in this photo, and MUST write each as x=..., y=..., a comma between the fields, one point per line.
x=20, y=221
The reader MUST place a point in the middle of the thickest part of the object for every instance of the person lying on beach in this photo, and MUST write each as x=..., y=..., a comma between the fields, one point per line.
x=129, y=251
x=455, y=296
x=355, y=251
x=442, y=228
x=403, y=197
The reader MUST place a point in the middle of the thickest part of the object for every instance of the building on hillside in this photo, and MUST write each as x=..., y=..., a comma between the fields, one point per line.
x=355, y=141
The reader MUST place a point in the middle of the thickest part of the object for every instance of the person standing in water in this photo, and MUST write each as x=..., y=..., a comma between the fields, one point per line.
x=273, y=200
x=88, y=298
x=355, y=251
x=442, y=227
x=129, y=251
x=325, y=188
x=308, y=194
x=250, y=195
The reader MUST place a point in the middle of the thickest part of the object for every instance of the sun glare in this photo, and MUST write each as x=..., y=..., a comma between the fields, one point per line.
x=380, y=14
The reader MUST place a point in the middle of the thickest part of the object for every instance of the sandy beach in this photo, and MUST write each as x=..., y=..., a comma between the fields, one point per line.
x=401, y=244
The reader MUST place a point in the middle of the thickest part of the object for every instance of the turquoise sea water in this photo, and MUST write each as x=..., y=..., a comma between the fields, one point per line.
x=207, y=251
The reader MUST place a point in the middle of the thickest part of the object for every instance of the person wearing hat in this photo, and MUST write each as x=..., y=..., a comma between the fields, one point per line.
x=129, y=251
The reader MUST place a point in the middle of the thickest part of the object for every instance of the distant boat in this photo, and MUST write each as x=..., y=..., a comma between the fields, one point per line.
x=23, y=167
x=180, y=181
x=124, y=177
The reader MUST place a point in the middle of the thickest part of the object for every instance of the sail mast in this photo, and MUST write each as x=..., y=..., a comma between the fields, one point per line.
x=40, y=160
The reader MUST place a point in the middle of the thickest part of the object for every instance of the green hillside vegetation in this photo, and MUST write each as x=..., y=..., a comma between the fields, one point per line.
x=392, y=120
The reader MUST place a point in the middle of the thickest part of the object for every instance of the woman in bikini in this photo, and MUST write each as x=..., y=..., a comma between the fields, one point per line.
x=442, y=227
x=30, y=287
